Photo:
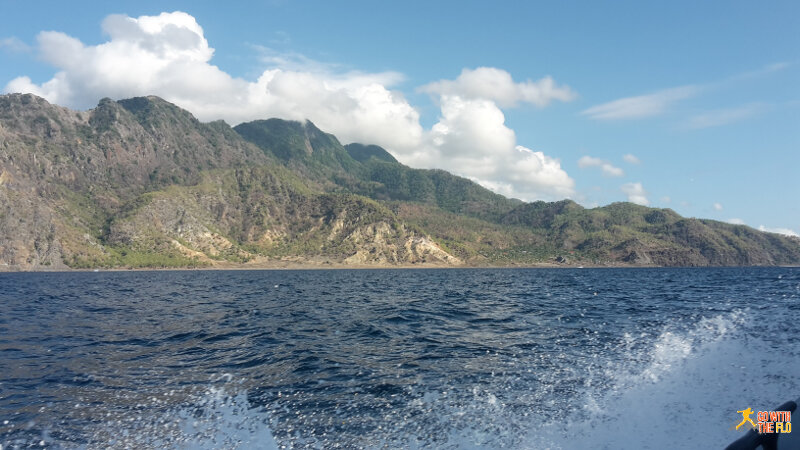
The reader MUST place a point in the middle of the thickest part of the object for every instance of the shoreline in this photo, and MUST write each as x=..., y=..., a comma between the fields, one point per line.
x=338, y=266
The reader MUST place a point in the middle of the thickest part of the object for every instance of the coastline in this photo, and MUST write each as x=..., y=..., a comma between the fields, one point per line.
x=292, y=265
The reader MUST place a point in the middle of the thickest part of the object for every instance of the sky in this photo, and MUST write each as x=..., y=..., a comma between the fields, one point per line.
x=693, y=106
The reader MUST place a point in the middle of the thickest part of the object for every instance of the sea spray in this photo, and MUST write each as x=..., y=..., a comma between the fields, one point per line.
x=681, y=391
x=214, y=419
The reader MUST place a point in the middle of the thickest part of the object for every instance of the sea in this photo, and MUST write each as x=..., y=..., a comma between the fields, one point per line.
x=409, y=358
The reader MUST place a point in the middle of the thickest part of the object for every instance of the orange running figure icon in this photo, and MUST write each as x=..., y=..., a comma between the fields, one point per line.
x=746, y=418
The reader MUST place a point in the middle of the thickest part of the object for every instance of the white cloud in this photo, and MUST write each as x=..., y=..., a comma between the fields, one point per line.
x=636, y=193
x=497, y=85
x=721, y=117
x=14, y=44
x=298, y=62
x=631, y=159
x=640, y=106
x=538, y=176
x=471, y=139
x=774, y=67
x=588, y=161
x=659, y=102
x=783, y=231
x=735, y=221
x=717, y=206
x=605, y=166
x=666, y=199
x=766, y=70
x=168, y=55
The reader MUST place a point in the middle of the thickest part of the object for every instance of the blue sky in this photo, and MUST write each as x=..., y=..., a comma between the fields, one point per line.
x=693, y=106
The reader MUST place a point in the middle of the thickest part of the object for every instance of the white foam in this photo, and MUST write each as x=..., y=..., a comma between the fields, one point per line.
x=214, y=420
x=683, y=392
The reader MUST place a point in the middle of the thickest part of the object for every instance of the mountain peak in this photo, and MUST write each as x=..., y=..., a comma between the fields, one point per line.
x=21, y=99
x=21, y=105
x=151, y=110
x=363, y=153
x=290, y=139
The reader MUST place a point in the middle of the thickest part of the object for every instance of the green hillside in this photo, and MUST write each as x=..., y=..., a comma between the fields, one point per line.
x=142, y=183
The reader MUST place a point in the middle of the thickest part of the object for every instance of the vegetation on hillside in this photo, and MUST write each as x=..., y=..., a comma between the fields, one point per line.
x=142, y=183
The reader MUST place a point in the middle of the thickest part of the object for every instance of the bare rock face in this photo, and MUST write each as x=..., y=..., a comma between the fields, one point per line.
x=382, y=244
x=424, y=249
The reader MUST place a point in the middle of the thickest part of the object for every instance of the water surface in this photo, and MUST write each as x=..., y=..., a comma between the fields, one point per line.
x=563, y=358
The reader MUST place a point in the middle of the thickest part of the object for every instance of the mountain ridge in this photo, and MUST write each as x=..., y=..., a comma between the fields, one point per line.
x=141, y=183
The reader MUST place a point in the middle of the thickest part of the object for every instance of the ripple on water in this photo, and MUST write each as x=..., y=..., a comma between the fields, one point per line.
x=380, y=358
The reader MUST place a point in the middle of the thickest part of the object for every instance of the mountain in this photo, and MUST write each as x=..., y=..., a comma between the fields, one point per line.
x=363, y=153
x=142, y=183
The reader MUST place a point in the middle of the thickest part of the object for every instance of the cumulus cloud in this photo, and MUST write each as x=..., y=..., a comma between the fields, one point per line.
x=607, y=168
x=631, y=159
x=783, y=231
x=497, y=85
x=471, y=138
x=726, y=116
x=735, y=221
x=636, y=193
x=717, y=206
x=168, y=55
x=640, y=106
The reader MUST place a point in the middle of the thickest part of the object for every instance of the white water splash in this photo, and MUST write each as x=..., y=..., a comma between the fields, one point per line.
x=682, y=392
x=214, y=420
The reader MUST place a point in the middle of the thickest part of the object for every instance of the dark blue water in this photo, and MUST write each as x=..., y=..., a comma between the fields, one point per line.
x=584, y=358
